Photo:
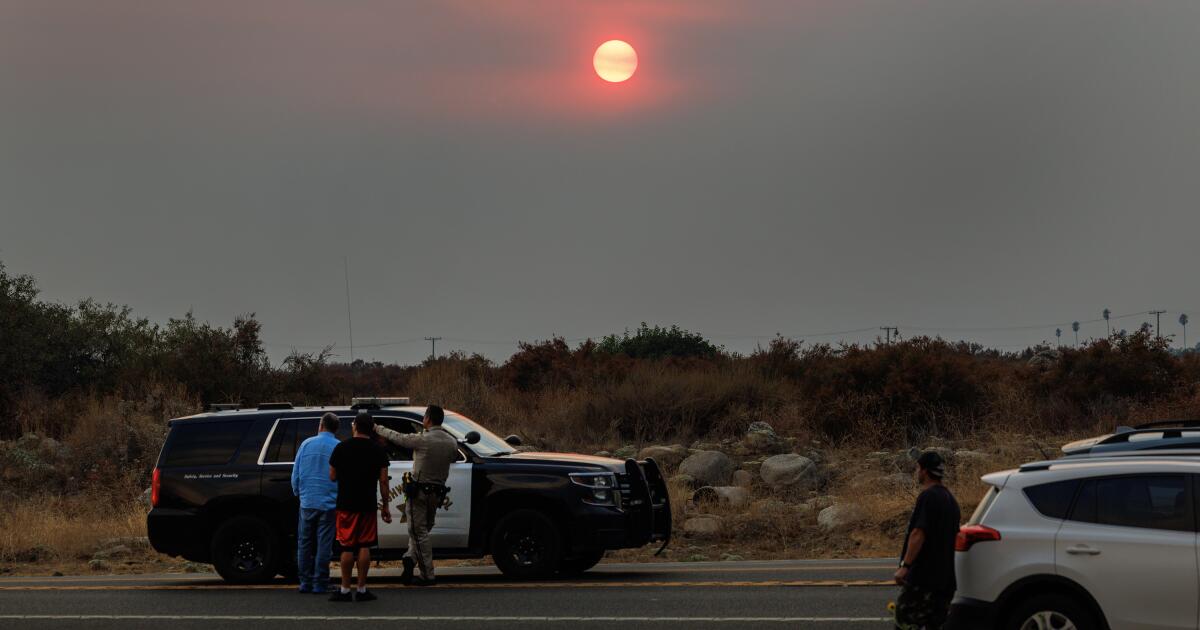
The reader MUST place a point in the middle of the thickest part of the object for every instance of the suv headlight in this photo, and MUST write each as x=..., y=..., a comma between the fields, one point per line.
x=601, y=487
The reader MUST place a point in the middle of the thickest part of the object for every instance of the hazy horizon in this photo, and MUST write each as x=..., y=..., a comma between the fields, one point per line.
x=982, y=170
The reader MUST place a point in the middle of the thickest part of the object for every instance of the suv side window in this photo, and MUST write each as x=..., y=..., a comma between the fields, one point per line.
x=289, y=434
x=1053, y=499
x=204, y=443
x=1143, y=501
x=399, y=425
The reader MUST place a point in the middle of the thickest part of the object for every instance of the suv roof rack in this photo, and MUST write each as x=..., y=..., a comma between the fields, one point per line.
x=274, y=405
x=1166, y=423
x=224, y=407
x=1169, y=435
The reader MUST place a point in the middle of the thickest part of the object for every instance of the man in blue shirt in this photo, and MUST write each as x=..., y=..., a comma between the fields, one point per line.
x=318, y=497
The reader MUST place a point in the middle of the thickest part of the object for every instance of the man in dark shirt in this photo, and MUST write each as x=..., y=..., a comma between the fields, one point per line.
x=358, y=465
x=926, y=573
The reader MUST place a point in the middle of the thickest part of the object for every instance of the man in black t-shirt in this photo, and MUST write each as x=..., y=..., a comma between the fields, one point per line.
x=926, y=573
x=358, y=465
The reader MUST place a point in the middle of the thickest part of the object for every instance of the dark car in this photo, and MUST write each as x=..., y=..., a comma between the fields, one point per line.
x=222, y=495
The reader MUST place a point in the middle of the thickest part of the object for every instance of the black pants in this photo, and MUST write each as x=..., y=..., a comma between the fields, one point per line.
x=919, y=608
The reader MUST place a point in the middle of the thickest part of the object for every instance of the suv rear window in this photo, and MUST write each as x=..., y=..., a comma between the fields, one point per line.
x=1053, y=499
x=204, y=443
x=1143, y=501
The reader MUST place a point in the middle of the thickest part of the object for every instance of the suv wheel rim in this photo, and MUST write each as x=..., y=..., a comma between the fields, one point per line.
x=1048, y=620
x=526, y=550
x=247, y=556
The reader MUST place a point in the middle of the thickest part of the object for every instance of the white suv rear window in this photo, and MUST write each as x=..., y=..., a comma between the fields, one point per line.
x=984, y=504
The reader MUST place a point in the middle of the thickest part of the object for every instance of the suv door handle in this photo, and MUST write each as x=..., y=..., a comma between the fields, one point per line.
x=1083, y=550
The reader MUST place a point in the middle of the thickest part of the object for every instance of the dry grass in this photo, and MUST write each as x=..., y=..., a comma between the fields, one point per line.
x=58, y=528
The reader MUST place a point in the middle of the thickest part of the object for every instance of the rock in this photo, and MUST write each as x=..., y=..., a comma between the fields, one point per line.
x=761, y=438
x=969, y=456
x=686, y=481
x=702, y=526
x=196, y=567
x=145, y=498
x=840, y=515
x=898, y=480
x=945, y=453
x=133, y=542
x=731, y=557
x=752, y=466
x=98, y=565
x=711, y=468
x=769, y=505
x=742, y=478
x=56, y=574
x=696, y=557
x=914, y=453
x=666, y=456
x=789, y=472
x=602, y=454
x=735, y=496
x=625, y=452
x=119, y=551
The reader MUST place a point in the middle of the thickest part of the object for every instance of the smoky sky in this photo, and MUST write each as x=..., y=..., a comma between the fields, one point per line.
x=980, y=169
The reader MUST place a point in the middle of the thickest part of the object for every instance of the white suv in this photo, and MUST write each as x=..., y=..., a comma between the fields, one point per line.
x=1088, y=542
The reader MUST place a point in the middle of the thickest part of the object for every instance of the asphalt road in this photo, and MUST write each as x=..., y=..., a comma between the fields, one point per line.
x=842, y=594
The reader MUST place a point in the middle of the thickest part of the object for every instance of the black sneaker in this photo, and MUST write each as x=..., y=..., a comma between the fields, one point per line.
x=365, y=596
x=339, y=596
x=407, y=576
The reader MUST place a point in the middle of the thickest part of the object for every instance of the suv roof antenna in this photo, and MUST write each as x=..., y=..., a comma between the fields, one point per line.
x=1039, y=447
x=350, y=326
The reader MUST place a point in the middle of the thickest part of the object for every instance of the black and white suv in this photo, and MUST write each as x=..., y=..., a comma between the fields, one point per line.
x=222, y=494
x=1102, y=538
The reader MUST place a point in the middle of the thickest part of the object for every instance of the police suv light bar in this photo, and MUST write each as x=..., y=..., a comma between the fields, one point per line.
x=382, y=401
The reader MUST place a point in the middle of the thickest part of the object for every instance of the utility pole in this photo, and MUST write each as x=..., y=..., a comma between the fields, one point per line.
x=1157, y=322
x=350, y=326
x=889, y=331
x=433, y=346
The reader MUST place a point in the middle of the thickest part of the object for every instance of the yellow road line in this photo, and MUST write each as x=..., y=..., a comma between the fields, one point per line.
x=452, y=586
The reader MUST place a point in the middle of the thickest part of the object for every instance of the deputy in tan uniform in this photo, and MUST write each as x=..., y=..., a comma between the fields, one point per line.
x=434, y=450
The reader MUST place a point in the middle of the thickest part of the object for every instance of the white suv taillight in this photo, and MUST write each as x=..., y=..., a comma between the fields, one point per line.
x=155, y=484
x=968, y=535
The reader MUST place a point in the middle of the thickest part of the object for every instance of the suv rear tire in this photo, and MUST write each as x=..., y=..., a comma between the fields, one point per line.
x=581, y=563
x=246, y=550
x=1051, y=611
x=526, y=544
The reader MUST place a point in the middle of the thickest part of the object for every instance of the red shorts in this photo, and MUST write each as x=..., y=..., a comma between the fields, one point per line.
x=356, y=530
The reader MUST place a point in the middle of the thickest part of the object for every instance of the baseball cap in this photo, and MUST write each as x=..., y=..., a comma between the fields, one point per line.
x=932, y=463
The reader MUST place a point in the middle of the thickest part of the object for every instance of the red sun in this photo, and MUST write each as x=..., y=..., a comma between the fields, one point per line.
x=615, y=61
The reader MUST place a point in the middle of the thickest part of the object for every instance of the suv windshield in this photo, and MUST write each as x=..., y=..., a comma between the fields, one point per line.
x=489, y=444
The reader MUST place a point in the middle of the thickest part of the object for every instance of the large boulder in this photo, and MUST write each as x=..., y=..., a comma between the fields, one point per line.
x=710, y=468
x=666, y=456
x=789, y=472
x=840, y=515
x=702, y=526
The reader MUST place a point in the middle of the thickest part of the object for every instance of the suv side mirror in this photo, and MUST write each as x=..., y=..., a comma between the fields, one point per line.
x=513, y=440
x=472, y=437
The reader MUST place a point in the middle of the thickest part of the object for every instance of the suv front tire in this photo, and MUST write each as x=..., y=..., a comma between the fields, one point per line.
x=246, y=550
x=526, y=544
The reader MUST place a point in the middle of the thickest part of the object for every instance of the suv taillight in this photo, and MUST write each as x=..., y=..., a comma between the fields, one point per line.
x=968, y=535
x=155, y=484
